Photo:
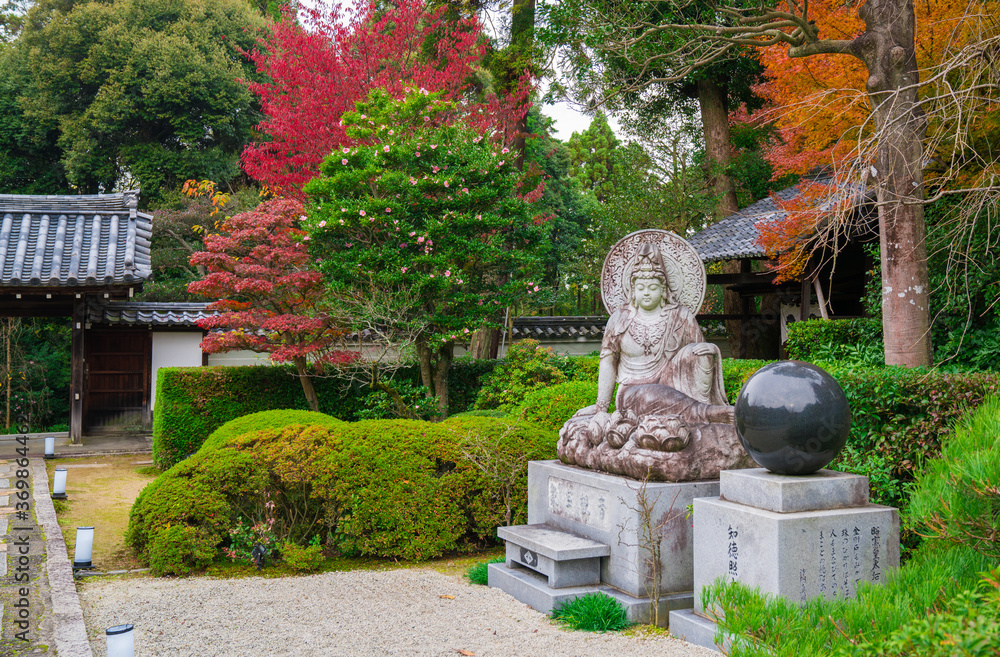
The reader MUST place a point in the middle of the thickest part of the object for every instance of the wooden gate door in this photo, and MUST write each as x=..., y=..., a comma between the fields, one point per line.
x=118, y=373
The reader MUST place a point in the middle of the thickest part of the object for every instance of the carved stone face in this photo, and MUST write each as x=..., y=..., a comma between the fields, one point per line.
x=648, y=293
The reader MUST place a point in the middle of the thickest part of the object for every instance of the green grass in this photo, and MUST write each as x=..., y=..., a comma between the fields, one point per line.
x=478, y=573
x=594, y=612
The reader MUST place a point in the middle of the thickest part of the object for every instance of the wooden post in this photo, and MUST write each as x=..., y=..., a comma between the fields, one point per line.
x=76, y=382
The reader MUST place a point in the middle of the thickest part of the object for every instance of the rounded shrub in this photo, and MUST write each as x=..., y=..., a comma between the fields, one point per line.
x=551, y=407
x=388, y=488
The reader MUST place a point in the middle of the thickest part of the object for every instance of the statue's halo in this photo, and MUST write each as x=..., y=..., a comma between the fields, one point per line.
x=686, y=273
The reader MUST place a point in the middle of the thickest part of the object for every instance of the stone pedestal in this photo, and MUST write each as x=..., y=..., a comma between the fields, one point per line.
x=800, y=537
x=571, y=509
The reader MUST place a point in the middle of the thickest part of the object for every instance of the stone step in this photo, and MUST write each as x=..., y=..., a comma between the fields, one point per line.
x=567, y=560
x=532, y=589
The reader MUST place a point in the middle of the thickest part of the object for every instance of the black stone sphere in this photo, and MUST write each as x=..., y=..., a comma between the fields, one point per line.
x=792, y=417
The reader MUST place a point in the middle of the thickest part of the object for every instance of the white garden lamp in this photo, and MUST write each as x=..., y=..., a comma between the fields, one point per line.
x=59, y=484
x=84, y=548
x=50, y=447
x=120, y=641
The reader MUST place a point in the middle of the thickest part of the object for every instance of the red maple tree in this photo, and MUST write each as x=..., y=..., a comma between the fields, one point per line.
x=316, y=72
x=269, y=298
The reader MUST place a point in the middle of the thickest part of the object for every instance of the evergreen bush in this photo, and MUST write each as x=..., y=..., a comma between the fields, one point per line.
x=389, y=488
x=528, y=366
x=192, y=402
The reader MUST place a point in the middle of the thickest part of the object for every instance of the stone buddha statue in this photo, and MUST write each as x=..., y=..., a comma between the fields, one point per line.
x=671, y=421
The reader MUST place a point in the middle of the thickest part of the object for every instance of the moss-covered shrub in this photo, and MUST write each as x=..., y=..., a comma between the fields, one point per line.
x=303, y=559
x=192, y=402
x=388, y=488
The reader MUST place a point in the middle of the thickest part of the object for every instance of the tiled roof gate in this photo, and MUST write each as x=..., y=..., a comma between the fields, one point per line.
x=57, y=253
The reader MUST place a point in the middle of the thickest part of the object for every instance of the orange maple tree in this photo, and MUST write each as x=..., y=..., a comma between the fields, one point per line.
x=821, y=110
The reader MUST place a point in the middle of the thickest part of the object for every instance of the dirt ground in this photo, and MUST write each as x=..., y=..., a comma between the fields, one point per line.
x=100, y=493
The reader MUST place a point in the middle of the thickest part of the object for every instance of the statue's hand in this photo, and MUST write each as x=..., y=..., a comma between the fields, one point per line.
x=599, y=424
x=703, y=349
x=587, y=410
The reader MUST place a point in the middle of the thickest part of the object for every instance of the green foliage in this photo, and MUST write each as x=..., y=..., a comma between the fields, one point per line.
x=422, y=228
x=38, y=373
x=969, y=627
x=841, y=341
x=735, y=373
x=387, y=488
x=879, y=617
x=479, y=573
x=527, y=367
x=130, y=93
x=885, y=486
x=179, y=549
x=193, y=402
x=957, y=496
x=380, y=406
x=593, y=612
x=302, y=559
x=245, y=536
x=551, y=407
x=594, y=164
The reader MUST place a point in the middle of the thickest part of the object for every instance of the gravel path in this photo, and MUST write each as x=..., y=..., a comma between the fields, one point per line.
x=358, y=613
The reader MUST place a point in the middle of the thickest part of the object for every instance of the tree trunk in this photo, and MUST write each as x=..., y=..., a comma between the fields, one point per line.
x=715, y=124
x=307, y=387
x=484, y=343
x=522, y=40
x=887, y=49
x=424, y=359
x=444, y=357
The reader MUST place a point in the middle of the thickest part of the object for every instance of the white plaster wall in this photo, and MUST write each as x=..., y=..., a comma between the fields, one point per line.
x=174, y=349
x=242, y=357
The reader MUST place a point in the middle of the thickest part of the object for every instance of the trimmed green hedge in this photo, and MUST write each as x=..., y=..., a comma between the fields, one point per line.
x=850, y=340
x=388, y=488
x=192, y=402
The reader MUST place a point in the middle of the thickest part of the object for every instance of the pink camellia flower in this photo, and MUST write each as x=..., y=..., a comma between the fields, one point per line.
x=344, y=162
x=322, y=223
x=412, y=233
x=426, y=119
x=404, y=269
x=343, y=209
x=435, y=169
x=362, y=213
x=465, y=190
x=505, y=150
x=392, y=132
x=500, y=163
x=447, y=272
x=388, y=210
x=416, y=153
x=432, y=275
x=433, y=146
x=446, y=184
x=385, y=149
x=536, y=288
x=420, y=240
x=305, y=239
x=341, y=222
x=364, y=116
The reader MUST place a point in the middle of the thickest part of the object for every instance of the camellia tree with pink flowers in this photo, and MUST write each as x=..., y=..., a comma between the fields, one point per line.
x=269, y=298
x=424, y=228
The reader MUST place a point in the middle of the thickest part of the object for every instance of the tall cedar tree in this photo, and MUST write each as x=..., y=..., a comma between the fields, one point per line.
x=317, y=75
x=421, y=228
x=269, y=296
